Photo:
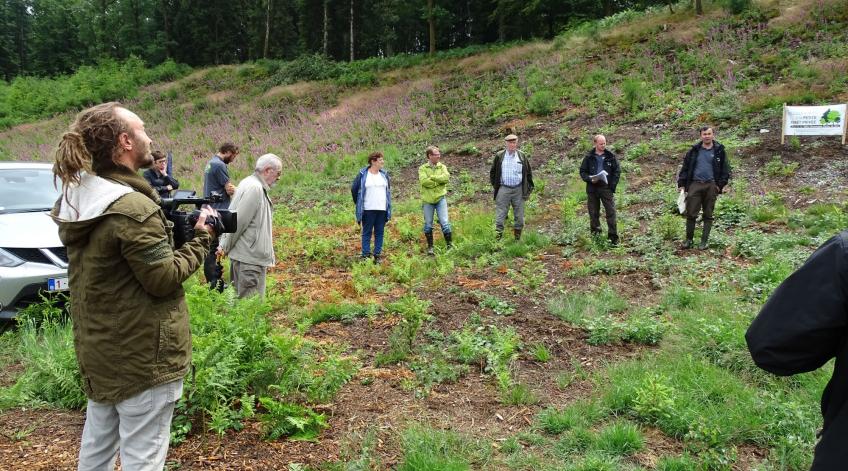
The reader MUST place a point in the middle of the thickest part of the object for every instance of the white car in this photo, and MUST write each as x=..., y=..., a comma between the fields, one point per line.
x=33, y=260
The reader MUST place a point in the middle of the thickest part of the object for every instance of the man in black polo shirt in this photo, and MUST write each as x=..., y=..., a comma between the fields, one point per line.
x=704, y=174
x=216, y=179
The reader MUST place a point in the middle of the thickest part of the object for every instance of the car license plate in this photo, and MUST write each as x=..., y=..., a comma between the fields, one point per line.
x=57, y=284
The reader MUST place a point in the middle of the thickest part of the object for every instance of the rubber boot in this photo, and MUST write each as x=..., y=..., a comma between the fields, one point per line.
x=517, y=233
x=705, y=235
x=690, y=233
x=429, y=237
x=449, y=240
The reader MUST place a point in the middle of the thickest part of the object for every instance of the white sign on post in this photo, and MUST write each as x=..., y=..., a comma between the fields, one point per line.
x=814, y=121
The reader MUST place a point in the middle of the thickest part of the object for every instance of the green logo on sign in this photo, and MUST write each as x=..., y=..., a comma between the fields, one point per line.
x=830, y=116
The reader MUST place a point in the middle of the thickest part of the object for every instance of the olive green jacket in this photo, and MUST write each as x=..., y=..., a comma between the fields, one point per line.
x=130, y=319
x=434, y=182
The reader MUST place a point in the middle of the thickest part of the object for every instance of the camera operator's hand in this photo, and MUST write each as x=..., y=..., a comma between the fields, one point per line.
x=205, y=212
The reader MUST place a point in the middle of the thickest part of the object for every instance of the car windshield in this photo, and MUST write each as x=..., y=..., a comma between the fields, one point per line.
x=26, y=190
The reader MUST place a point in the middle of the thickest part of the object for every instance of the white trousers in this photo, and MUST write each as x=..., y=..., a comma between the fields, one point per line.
x=140, y=427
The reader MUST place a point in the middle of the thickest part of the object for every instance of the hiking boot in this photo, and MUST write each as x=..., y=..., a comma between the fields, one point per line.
x=378, y=259
x=705, y=235
x=449, y=240
x=429, y=237
x=517, y=234
x=499, y=234
x=690, y=234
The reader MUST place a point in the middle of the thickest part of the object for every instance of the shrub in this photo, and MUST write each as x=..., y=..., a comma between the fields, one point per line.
x=736, y=6
x=413, y=314
x=51, y=376
x=542, y=103
x=776, y=168
x=290, y=420
x=634, y=92
x=541, y=353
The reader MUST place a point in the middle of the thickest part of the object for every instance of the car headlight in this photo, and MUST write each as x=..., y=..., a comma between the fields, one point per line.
x=8, y=259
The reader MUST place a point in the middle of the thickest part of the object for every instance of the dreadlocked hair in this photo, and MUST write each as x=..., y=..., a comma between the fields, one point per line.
x=90, y=145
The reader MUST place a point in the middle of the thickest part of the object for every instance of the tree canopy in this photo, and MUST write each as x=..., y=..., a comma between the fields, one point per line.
x=50, y=37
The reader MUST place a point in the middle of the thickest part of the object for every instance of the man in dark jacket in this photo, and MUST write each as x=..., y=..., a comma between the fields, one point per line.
x=512, y=182
x=130, y=319
x=158, y=176
x=601, y=172
x=800, y=328
x=704, y=174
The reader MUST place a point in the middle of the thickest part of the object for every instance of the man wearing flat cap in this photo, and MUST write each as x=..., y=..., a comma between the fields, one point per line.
x=512, y=181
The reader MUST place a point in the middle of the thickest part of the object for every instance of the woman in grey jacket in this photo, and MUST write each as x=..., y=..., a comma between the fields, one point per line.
x=251, y=247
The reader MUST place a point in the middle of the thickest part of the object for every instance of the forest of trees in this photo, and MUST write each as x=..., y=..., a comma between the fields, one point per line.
x=50, y=37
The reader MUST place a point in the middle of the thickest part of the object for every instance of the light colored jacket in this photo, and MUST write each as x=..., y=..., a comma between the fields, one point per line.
x=434, y=182
x=252, y=242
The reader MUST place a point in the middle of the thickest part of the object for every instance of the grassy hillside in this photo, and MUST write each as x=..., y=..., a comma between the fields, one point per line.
x=556, y=352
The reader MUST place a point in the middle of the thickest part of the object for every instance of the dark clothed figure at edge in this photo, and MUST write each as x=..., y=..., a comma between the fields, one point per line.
x=599, y=191
x=704, y=174
x=512, y=181
x=802, y=326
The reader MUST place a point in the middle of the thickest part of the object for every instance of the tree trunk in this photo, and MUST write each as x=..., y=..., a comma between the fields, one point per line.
x=166, y=20
x=326, y=25
x=608, y=8
x=431, y=20
x=267, y=29
x=351, y=31
x=501, y=27
x=699, y=9
x=21, y=39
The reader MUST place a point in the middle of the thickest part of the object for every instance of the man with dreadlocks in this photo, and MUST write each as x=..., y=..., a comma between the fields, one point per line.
x=131, y=329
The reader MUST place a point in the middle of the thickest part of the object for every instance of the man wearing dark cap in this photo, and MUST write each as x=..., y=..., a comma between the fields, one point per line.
x=512, y=181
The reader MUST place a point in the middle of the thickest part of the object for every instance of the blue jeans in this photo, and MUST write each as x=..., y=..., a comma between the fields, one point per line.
x=373, y=222
x=441, y=210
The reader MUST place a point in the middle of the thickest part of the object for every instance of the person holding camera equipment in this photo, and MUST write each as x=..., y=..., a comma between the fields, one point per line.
x=217, y=184
x=251, y=246
x=158, y=176
x=802, y=326
x=130, y=319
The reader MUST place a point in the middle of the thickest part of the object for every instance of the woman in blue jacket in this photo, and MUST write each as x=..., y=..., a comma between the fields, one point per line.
x=371, y=192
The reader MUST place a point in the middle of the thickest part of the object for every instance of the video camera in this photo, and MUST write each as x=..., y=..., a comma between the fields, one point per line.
x=184, y=221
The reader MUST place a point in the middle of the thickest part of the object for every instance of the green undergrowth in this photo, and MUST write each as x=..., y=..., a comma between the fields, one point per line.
x=243, y=369
x=27, y=99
